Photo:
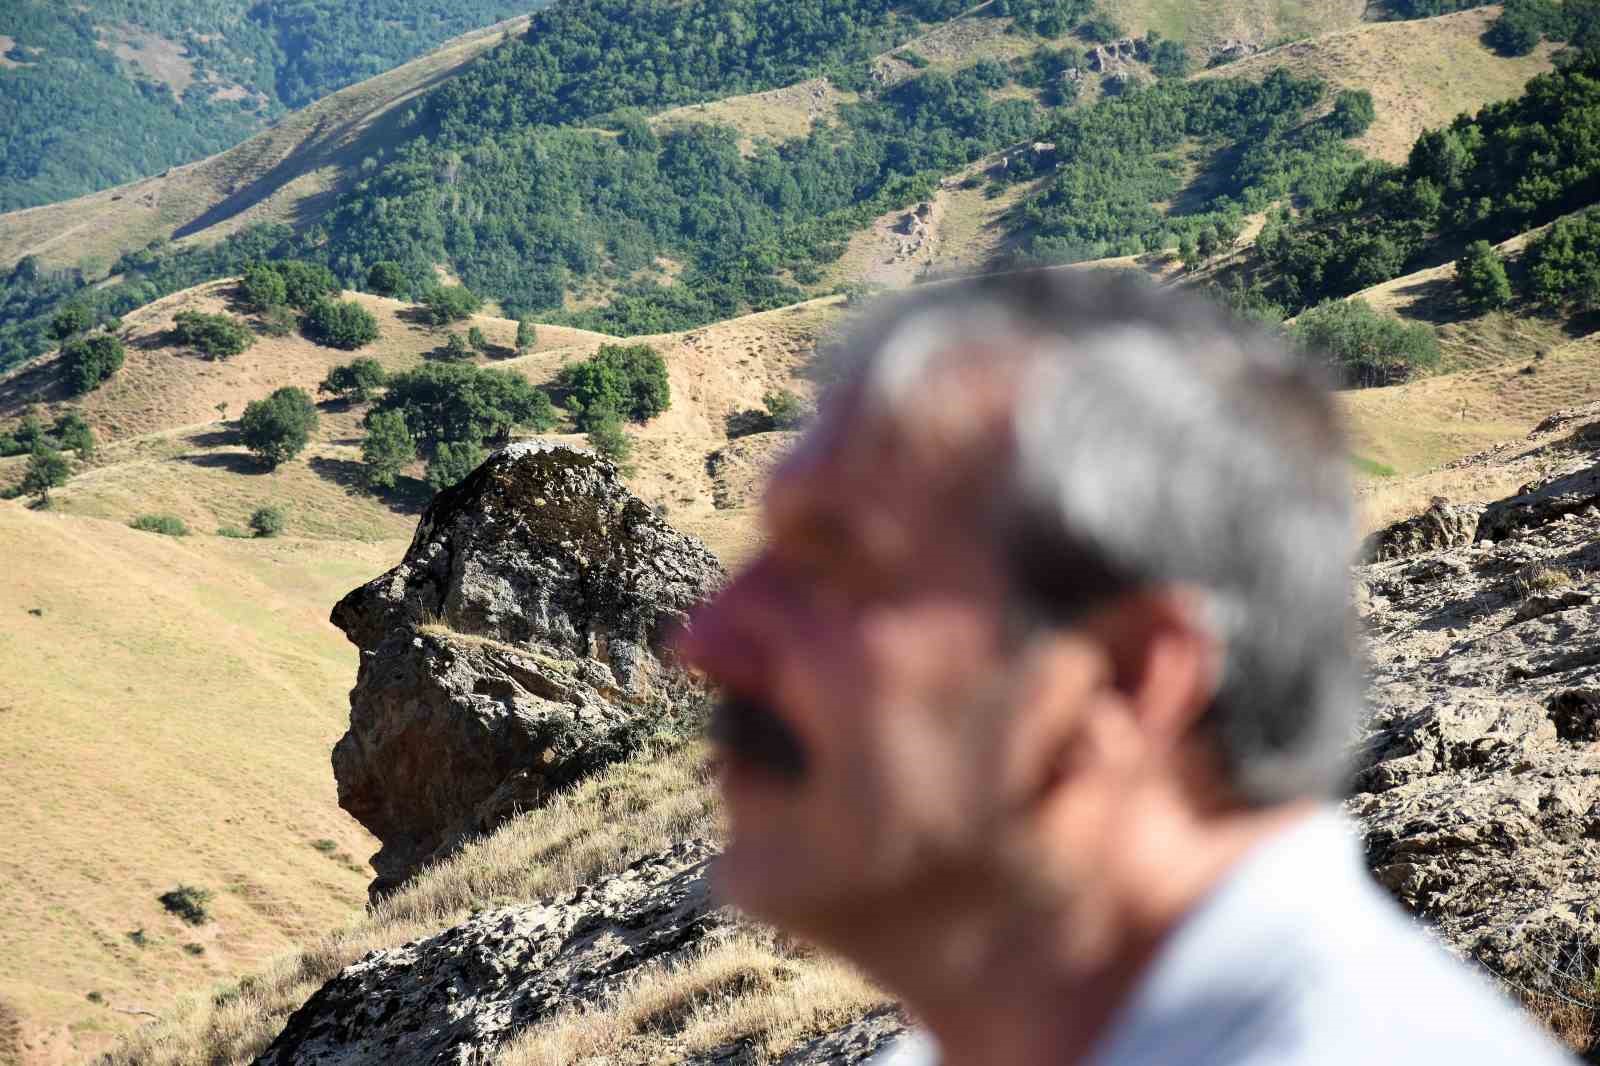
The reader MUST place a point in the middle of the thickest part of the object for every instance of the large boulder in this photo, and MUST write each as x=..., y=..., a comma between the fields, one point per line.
x=518, y=646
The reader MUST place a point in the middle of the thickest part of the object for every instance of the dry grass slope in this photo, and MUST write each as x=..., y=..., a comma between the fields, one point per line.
x=1421, y=74
x=284, y=174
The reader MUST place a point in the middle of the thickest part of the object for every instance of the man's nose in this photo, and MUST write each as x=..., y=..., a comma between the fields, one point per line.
x=723, y=637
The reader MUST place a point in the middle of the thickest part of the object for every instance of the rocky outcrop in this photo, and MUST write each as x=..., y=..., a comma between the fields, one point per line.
x=1443, y=525
x=516, y=647
x=457, y=996
x=1478, y=781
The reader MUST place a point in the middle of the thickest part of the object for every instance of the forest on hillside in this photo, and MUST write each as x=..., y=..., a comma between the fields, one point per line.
x=78, y=117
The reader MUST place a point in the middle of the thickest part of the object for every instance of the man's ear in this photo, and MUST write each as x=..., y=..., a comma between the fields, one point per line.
x=1165, y=662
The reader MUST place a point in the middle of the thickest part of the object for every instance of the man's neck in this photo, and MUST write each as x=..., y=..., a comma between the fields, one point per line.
x=1043, y=982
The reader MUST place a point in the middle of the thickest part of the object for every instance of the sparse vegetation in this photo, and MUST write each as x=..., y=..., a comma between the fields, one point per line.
x=268, y=521
x=355, y=382
x=188, y=903
x=387, y=449
x=214, y=336
x=341, y=324
x=87, y=362
x=278, y=428
x=607, y=437
x=444, y=304
x=166, y=524
x=617, y=381
x=451, y=463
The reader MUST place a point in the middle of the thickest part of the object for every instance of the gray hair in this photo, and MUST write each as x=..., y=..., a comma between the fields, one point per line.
x=1157, y=442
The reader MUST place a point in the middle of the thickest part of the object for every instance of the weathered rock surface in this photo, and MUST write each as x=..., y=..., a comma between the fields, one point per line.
x=1443, y=525
x=517, y=646
x=1478, y=780
x=457, y=996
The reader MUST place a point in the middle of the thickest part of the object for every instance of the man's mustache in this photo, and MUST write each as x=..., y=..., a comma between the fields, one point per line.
x=749, y=730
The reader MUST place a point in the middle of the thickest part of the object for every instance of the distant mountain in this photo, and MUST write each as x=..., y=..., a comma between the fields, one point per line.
x=101, y=92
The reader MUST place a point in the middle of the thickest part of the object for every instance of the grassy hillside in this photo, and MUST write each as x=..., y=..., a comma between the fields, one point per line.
x=288, y=173
x=106, y=91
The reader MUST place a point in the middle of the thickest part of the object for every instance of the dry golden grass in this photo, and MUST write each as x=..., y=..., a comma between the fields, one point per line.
x=743, y=988
x=1421, y=73
x=165, y=718
x=775, y=115
x=285, y=173
x=597, y=828
x=1261, y=21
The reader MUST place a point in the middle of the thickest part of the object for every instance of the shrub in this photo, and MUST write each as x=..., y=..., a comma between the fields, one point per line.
x=10, y=446
x=233, y=533
x=341, y=324
x=1367, y=347
x=305, y=284
x=451, y=463
x=624, y=380
x=215, y=336
x=165, y=524
x=461, y=402
x=785, y=409
x=1481, y=277
x=267, y=521
x=608, y=438
x=86, y=362
x=278, y=322
x=1101, y=29
x=527, y=335
x=477, y=341
x=47, y=469
x=188, y=903
x=444, y=304
x=1564, y=262
x=356, y=382
x=1353, y=112
x=70, y=321
x=262, y=287
x=386, y=278
x=278, y=428
x=456, y=349
x=72, y=433
x=387, y=449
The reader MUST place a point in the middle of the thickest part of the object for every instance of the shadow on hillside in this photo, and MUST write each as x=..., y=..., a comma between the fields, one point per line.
x=743, y=423
x=215, y=438
x=232, y=462
x=37, y=384
x=1434, y=301
x=331, y=145
x=1581, y=324
x=409, y=496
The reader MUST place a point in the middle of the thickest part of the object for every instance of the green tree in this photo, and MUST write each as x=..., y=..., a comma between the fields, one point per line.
x=86, y=362
x=527, y=335
x=1564, y=262
x=215, y=336
x=262, y=287
x=386, y=278
x=451, y=463
x=1353, y=112
x=444, y=304
x=355, y=382
x=607, y=437
x=629, y=380
x=70, y=321
x=455, y=348
x=1369, y=348
x=387, y=449
x=278, y=428
x=785, y=409
x=451, y=402
x=268, y=521
x=341, y=324
x=306, y=284
x=1481, y=277
x=73, y=433
x=477, y=341
x=47, y=469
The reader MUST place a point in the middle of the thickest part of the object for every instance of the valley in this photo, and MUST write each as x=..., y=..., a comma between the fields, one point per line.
x=169, y=702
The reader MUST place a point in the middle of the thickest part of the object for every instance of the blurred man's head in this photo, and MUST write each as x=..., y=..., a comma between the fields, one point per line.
x=1057, y=579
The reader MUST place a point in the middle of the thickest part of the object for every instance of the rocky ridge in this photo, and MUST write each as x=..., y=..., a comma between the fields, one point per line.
x=518, y=645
